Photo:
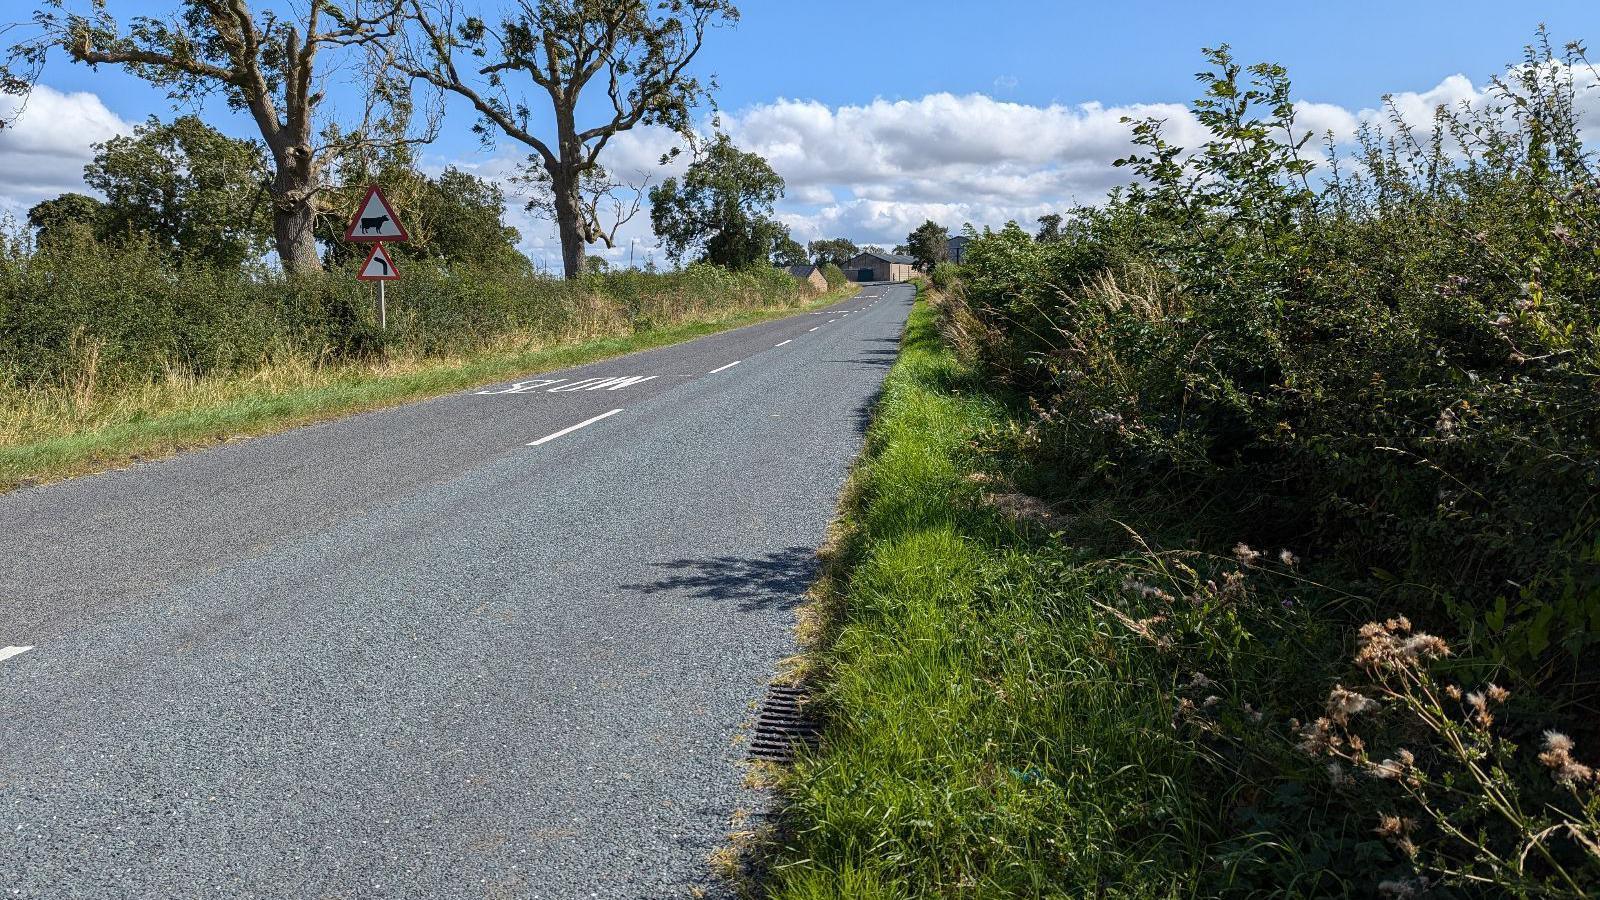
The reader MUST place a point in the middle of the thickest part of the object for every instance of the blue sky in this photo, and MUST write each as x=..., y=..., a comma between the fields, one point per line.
x=861, y=125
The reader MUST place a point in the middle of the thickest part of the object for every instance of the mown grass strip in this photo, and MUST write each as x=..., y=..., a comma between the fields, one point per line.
x=274, y=400
x=987, y=736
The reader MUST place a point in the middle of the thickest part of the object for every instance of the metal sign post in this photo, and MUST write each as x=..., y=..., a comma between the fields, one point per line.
x=374, y=223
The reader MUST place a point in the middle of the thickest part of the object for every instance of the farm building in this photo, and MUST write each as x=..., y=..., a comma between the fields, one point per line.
x=810, y=275
x=958, y=249
x=875, y=266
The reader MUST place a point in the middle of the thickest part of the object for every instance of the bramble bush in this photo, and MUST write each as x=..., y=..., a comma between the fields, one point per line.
x=1389, y=362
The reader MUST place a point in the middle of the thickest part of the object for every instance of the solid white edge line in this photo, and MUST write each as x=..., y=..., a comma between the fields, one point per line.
x=8, y=652
x=726, y=367
x=565, y=431
x=776, y=346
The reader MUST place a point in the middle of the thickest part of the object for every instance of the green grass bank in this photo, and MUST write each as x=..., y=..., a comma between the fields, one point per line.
x=987, y=735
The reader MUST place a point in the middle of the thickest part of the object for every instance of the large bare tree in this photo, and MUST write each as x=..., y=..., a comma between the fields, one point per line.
x=274, y=65
x=637, y=51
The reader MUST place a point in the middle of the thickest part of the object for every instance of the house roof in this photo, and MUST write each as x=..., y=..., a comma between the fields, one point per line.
x=802, y=271
x=888, y=257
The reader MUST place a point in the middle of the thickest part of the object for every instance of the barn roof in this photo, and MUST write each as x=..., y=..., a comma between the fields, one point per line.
x=888, y=257
x=802, y=271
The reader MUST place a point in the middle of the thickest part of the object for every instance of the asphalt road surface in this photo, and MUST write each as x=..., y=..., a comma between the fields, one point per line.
x=498, y=643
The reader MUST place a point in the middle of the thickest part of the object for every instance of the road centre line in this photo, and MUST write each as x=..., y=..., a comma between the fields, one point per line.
x=814, y=329
x=565, y=431
x=726, y=367
x=789, y=341
x=8, y=652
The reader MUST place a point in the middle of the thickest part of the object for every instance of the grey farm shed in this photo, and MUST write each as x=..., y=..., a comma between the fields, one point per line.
x=873, y=266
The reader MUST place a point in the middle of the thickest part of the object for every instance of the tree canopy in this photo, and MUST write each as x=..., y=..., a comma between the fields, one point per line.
x=269, y=64
x=188, y=187
x=635, y=51
x=722, y=207
x=838, y=251
x=929, y=245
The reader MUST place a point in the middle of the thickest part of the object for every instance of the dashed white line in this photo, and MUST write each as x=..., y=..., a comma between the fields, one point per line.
x=726, y=367
x=814, y=329
x=8, y=652
x=565, y=431
x=789, y=341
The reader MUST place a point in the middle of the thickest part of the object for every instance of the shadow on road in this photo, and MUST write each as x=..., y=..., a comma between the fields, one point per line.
x=771, y=581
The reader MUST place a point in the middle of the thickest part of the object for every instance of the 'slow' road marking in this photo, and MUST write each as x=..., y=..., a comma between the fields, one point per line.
x=776, y=346
x=565, y=431
x=728, y=366
x=9, y=652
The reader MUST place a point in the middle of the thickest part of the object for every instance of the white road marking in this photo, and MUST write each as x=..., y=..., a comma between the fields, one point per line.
x=789, y=341
x=814, y=329
x=723, y=368
x=523, y=387
x=565, y=431
x=9, y=652
x=595, y=384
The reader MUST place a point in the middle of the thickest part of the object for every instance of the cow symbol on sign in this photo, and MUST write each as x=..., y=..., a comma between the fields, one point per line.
x=375, y=220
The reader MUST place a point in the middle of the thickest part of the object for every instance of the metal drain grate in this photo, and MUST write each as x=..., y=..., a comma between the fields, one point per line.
x=780, y=725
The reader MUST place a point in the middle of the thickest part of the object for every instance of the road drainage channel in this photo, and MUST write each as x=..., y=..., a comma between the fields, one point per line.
x=781, y=727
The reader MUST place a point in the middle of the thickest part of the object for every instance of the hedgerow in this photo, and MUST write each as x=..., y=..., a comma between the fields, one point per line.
x=1388, y=365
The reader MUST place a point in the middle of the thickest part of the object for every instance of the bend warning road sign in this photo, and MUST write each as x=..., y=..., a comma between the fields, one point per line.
x=378, y=267
x=375, y=220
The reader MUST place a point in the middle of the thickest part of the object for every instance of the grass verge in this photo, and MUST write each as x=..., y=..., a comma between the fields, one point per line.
x=46, y=438
x=987, y=735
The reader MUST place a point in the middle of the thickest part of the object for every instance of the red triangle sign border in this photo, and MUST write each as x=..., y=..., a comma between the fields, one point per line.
x=388, y=263
x=350, y=232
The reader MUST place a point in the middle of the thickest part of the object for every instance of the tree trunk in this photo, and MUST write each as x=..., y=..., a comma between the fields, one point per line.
x=293, y=228
x=569, y=211
x=294, y=217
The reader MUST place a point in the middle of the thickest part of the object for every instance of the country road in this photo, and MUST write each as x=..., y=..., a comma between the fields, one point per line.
x=498, y=643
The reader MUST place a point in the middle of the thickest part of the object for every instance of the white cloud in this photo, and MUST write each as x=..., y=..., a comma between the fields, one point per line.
x=43, y=152
x=869, y=171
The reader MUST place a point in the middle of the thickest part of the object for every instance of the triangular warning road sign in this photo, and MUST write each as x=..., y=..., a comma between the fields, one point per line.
x=375, y=220
x=378, y=267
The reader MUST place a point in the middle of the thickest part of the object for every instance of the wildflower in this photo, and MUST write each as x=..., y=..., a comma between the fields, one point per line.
x=1391, y=827
x=1480, y=709
x=1251, y=712
x=1318, y=738
x=1517, y=358
x=1388, y=770
x=1447, y=422
x=1425, y=645
x=1497, y=694
x=1396, y=889
x=1502, y=321
x=1343, y=705
x=1146, y=590
x=1453, y=692
x=1210, y=701
x=1381, y=648
x=1245, y=555
x=1288, y=559
x=1337, y=774
x=1557, y=756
